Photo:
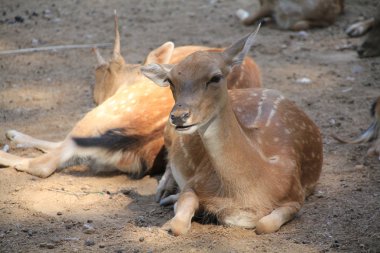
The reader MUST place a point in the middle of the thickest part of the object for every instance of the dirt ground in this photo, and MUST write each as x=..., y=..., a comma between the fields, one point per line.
x=74, y=210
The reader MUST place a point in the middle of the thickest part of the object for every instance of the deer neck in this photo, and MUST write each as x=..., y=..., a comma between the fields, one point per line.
x=232, y=152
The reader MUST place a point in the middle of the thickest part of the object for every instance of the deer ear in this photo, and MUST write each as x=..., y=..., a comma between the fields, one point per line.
x=161, y=55
x=234, y=55
x=157, y=73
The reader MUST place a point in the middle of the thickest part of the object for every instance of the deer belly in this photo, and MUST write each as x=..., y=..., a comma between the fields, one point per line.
x=178, y=176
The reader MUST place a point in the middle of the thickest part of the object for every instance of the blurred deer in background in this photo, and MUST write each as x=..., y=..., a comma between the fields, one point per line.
x=371, y=45
x=125, y=131
x=371, y=134
x=248, y=156
x=295, y=14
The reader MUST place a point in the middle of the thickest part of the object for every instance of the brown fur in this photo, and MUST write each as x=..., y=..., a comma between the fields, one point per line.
x=128, y=104
x=248, y=156
x=298, y=14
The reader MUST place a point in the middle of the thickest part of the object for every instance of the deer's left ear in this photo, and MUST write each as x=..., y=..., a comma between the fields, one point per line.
x=157, y=73
x=160, y=55
x=234, y=55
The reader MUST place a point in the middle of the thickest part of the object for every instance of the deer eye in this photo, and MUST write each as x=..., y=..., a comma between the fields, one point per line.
x=215, y=79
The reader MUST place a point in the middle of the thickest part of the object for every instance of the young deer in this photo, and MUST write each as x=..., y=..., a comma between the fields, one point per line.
x=295, y=14
x=371, y=134
x=125, y=131
x=248, y=156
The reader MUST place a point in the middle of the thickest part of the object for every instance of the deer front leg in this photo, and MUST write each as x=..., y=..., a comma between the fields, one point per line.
x=184, y=210
x=279, y=216
x=29, y=141
x=166, y=187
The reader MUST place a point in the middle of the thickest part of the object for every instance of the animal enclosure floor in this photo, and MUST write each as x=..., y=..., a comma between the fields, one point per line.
x=44, y=94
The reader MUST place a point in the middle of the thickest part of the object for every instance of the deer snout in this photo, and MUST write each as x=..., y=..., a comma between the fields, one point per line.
x=179, y=115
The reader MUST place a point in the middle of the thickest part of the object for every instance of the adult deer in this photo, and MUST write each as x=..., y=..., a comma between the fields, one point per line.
x=295, y=14
x=125, y=131
x=371, y=134
x=248, y=156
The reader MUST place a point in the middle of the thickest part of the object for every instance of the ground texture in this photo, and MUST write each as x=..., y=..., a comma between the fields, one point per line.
x=44, y=94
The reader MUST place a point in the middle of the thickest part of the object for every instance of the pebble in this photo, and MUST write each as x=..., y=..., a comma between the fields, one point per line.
x=303, y=80
x=102, y=246
x=47, y=245
x=141, y=239
x=59, y=213
x=88, y=228
x=242, y=14
x=89, y=242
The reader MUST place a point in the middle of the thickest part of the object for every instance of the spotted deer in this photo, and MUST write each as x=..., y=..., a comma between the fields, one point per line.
x=248, y=156
x=125, y=131
x=371, y=134
x=295, y=14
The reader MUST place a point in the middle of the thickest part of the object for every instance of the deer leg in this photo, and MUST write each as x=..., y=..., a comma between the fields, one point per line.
x=184, y=211
x=360, y=28
x=279, y=216
x=29, y=141
x=166, y=187
x=41, y=166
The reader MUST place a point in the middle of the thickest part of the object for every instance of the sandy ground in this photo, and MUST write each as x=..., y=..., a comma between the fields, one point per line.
x=44, y=94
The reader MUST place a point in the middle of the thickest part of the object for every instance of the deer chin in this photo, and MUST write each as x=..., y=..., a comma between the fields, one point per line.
x=189, y=129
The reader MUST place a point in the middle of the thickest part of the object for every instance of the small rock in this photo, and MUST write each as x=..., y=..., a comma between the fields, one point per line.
x=141, y=239
x=35, y=42
x=102, y=246
x=89, y=242
x=302, y=34
x=242, y=14
x=303, y=80
x=59, y=213
x=359, y=166
x=88, y=228
x=19, y=19
x=47, y=245
x=319, y=194
x=2, y=235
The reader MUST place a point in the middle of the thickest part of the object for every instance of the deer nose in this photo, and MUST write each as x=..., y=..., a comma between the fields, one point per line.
x=179, y=115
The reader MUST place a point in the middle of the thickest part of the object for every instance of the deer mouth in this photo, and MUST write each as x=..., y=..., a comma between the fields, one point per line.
x=184, y=128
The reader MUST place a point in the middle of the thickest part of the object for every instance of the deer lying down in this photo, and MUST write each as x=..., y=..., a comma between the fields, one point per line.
x=125, y=131
x=295, y=14
x=371, y=45
x=248, y=156
x=372, y=134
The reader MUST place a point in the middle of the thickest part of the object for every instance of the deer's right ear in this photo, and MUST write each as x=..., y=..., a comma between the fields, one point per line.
x=160, y=55
x=157, y=73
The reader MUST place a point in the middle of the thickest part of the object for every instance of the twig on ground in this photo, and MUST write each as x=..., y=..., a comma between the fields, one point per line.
x=54, y=48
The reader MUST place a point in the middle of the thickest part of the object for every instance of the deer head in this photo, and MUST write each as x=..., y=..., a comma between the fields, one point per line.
x=199, y=83
x=109, y=76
